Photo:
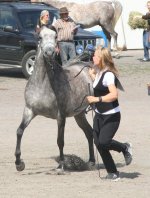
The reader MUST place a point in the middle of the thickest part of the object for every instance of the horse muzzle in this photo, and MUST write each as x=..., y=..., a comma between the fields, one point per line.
x=48, y=50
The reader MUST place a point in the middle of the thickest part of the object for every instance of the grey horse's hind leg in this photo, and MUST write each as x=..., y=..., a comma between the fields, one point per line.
x=110, y=32
x=85, y=126
x=61, y=120
x=27, y=117
x=108, y=36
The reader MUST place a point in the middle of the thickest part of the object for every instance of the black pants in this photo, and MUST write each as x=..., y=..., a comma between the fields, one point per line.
x=105, y=127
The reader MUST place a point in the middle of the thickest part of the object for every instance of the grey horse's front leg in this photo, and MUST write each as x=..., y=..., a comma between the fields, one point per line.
x=61, y=120
x=88, y=131
x=27, y=117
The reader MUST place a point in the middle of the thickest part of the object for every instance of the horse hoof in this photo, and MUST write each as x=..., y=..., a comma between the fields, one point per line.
x=60, y=167
x=91, y=165
x=21, y=166
x=117, y=56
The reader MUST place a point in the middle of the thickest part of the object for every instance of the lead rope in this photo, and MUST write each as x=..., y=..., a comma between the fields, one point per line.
x=97, y=160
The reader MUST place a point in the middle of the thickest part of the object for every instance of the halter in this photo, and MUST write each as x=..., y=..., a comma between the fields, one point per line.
x=43, y=46
x=44, y=53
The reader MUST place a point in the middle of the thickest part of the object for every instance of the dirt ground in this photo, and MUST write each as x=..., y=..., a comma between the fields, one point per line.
x=39, y=146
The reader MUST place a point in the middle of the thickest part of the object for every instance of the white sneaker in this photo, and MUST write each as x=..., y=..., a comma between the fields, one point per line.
x=113, y=176
x=145, y=59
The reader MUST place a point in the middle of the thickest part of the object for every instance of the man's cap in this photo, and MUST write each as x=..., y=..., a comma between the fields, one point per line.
x=44, y=12
x=63, y=10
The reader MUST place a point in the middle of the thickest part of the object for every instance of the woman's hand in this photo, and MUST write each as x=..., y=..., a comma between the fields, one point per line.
x=92, y=99
x=57, y=50
x=92, y=73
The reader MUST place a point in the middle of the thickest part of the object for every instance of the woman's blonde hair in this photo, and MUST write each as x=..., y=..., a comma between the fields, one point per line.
x=106, y=59
x=43, y=13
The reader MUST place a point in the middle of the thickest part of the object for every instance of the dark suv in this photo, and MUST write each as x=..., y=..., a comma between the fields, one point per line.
x=18, y=41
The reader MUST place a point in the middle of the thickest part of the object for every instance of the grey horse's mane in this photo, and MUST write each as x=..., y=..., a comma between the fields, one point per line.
x=77, y=62
x=80, y=60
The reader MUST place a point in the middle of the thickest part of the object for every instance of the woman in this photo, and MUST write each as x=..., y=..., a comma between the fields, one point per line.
x=107, y=111
x=43, y=21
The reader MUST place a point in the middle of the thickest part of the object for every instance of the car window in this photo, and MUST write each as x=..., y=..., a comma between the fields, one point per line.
x=29, y=19
x=7, y=20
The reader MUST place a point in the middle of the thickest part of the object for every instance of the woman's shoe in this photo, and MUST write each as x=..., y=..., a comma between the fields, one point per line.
x=145, y=59
x=113, y=176
x=128, y=153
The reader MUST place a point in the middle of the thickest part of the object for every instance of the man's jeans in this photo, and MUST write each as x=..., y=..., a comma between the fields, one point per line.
x=146, y=43
x=67, y=51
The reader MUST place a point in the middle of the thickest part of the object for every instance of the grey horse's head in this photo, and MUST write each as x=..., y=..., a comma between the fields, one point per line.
x=48, y=41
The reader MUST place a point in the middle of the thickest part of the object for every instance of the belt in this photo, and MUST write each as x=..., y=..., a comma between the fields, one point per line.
x=71, y=41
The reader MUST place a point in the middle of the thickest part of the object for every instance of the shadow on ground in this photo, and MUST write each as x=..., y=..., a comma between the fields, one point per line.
x=130, y=175
x=11, y=72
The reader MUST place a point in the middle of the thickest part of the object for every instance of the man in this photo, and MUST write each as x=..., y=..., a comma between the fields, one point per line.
x=146, y=35
x=65, y=29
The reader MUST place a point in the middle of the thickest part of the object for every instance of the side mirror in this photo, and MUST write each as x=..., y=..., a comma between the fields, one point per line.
x=10, y=28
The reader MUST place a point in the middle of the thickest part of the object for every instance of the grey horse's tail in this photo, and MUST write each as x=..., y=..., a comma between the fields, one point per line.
x=118, y=11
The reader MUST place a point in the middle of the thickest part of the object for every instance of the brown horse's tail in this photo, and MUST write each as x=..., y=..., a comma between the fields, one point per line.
x=118, y=11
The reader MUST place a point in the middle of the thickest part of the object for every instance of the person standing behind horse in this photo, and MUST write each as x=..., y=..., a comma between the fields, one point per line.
x=43, y=21
x=107, y=111
x=146, y=34
x=66, y=29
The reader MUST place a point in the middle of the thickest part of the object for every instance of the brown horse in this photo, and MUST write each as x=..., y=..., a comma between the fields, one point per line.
x=102, y=13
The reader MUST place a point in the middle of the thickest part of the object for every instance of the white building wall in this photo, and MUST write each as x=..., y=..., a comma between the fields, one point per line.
x=132, y=39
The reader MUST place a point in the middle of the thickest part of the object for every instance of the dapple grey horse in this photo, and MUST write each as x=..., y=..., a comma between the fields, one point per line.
x=57, y=94
x=102, y=13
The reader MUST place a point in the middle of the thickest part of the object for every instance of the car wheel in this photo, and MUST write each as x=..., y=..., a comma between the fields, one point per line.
x=28, y=63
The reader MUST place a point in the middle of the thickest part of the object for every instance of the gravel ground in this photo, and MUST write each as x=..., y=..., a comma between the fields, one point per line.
x=39, y=147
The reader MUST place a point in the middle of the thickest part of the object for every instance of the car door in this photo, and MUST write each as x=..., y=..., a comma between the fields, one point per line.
x=10, y=45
